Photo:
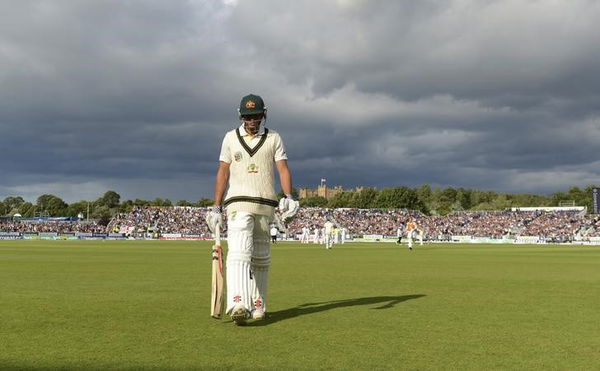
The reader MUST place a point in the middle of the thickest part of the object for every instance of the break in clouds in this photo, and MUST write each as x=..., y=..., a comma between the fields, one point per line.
x=136, y=96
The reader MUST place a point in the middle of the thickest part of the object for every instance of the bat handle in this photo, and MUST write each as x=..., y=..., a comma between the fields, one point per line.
x=218, y=235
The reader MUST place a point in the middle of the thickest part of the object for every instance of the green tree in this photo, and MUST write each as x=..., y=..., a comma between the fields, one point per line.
x=425, y=194
x=558, y=197
x=161, y=202
x=79, y=207
x=365, y=198
x=102, y=214
x=445, y=200
x=26, y=209
x=316, y=201
x=205, y=202
x=434, y=201
x=502, y=202
x=340, y=200
x=126, y=206
x=528, y=200
x=399, y=198
x=588, y=201
x=110, y=199
x=463, y=198
x=141, y=203
x=51, y=204
x=13, y=204
x=478, y=197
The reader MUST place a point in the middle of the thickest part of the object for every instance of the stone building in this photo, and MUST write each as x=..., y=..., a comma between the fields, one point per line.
x=323, y=191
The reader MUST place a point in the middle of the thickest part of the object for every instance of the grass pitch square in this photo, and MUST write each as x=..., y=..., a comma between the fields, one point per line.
x=145, y=305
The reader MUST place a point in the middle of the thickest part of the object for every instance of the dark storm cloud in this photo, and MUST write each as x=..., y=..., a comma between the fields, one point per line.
x=136, y=96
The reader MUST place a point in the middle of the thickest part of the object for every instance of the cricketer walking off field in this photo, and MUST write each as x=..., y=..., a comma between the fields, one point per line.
x=249, y=154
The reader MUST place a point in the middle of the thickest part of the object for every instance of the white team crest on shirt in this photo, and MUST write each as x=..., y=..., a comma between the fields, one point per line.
x=237, y=156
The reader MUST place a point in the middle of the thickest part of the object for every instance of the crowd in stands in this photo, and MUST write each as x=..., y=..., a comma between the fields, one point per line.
x=553, y=225
x=557, y=226
x=162, y=220
x=51, y=227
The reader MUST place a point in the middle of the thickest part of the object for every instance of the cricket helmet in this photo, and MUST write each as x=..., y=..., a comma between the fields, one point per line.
x=251, y=105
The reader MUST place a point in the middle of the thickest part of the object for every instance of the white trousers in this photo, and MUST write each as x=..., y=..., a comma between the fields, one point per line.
x=248, y=260
x=412, y=235
x=328, y=241
x=304, y=238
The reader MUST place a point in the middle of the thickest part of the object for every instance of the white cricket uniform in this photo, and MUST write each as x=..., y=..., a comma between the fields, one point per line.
x=343, y=235
x=305, y=235
x=412, y=232
x=316, y=236
x=250, y=203
x=328, y=234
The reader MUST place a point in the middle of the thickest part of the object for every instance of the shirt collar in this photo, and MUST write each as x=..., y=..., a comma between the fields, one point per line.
x=243, y=132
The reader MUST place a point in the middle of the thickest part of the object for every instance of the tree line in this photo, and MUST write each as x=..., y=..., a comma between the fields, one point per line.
x=103, y=208
x=442, y=201
x=436, y=201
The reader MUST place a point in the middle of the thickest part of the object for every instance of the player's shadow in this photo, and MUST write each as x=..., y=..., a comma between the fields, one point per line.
x=385, y=302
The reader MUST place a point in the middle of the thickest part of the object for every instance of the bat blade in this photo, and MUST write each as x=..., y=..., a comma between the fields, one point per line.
x=216, y=302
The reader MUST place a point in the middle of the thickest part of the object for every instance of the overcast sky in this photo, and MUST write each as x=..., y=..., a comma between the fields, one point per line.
x=136, y=96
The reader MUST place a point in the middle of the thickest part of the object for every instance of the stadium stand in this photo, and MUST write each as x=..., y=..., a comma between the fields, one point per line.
x=188, y=223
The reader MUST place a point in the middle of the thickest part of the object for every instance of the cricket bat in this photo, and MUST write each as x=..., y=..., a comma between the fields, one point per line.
x=216, y=300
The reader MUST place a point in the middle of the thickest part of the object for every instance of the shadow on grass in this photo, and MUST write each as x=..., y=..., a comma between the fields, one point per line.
x=385, y=302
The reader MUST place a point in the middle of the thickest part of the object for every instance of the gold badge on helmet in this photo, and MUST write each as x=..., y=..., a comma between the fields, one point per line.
x=250, y=104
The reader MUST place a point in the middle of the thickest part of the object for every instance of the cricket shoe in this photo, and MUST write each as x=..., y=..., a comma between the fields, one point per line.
x=239, y=315
x=259, y=314
x=259, y=310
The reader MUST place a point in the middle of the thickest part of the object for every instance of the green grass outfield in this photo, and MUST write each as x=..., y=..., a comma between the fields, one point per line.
x=145, y=305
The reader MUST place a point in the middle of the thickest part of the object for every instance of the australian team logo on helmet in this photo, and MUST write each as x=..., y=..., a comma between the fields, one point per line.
x=251, y=105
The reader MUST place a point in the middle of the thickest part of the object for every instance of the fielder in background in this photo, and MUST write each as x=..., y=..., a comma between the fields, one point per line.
x=316, y=235
x=328, y=230
x=413, y=231
x=249, y=154
x=305, y=235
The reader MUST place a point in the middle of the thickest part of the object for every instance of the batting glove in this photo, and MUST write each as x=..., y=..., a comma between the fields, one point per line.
x=214, y=218
x=288, y=207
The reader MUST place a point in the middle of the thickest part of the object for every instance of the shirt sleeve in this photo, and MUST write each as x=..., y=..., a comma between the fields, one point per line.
x=280, y=153
x=225, y=155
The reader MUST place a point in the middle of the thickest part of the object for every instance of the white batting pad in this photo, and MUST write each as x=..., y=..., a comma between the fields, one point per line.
x=261, y=260
x=240, y=285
